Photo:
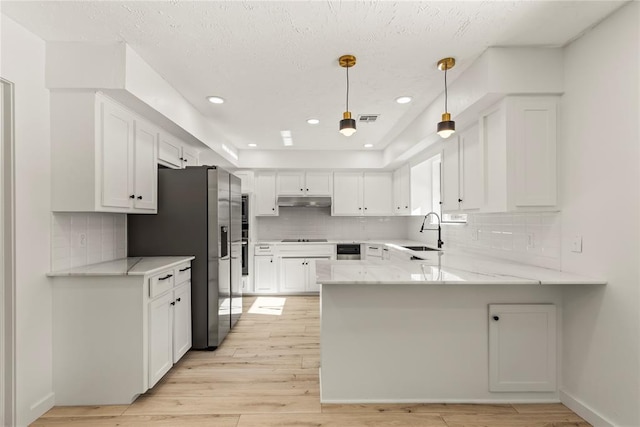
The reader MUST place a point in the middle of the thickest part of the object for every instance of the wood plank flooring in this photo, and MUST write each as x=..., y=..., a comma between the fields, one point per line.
x=265, y=374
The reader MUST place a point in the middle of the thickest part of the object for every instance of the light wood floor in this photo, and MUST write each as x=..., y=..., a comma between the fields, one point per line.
x=266, y=374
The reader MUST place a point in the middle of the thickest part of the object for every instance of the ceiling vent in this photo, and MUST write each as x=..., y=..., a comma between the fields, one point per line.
x=368, y=118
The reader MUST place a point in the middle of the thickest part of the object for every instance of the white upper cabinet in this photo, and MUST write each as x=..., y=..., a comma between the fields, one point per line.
x=104, y=157
x=519, y=138
x=463, y=172
x=402, y=190
x=175, y=154
x=357, y=193
x=297, y=183
x=247, y=179
x=265, y=184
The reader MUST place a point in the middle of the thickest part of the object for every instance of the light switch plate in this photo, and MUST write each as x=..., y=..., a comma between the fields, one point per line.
x=576, y=244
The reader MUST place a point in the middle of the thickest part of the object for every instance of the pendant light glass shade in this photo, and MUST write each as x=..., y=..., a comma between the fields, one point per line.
x=347, y=124
x=446, y=127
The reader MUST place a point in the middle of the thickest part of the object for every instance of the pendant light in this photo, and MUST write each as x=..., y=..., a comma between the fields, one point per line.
x=347, y=124
x=446, y=127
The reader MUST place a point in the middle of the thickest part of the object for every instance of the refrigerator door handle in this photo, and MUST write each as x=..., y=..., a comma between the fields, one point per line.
x=224, y=241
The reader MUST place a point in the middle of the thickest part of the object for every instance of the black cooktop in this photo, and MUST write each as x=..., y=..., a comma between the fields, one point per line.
x=303, y=240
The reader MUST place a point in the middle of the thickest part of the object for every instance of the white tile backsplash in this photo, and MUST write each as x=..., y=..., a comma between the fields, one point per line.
x=87, y=238
x=530, y=238
x=294, y=223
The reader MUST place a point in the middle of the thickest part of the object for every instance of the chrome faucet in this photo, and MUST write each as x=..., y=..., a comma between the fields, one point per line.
x=439, y=230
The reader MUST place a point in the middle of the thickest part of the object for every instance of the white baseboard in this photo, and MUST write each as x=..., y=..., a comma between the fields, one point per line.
x=450, y=401
x=580, y=408
x=40, y=407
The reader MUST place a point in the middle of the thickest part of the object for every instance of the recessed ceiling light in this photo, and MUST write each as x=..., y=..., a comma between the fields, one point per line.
x=403, y=99
x=253, y=145
x=313, y=121
x=368, y=145
x=215, y=100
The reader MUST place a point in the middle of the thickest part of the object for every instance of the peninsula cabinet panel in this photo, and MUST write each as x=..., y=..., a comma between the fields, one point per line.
x=104, y=157
x=522, y=347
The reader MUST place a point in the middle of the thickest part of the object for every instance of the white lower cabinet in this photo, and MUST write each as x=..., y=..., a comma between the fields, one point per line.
x=522, y=347
x=299, y=274
x=266, y=277
x=115, y=336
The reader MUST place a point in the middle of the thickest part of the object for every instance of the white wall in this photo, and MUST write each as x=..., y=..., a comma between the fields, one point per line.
x=599, y=172
x=23, y=63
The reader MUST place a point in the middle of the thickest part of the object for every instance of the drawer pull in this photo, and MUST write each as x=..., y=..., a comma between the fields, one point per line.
x=168, y=276
x=173, y=303
x=184, y=269
x=178, y=300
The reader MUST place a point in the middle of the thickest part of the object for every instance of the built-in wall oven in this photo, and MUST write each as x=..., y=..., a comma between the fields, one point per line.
x=245, y=234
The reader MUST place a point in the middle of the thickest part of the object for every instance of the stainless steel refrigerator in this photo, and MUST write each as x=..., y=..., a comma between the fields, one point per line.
x=199, y=214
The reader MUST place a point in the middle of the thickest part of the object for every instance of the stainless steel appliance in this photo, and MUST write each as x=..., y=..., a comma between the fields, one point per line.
x=245, y=234
x=199, y=213
x=346, y=251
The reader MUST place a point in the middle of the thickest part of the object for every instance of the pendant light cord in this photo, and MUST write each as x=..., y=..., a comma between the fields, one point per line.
x=445, y=91
x=347, y=88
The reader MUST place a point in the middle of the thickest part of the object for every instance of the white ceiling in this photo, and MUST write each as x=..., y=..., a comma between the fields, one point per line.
x=275, y=62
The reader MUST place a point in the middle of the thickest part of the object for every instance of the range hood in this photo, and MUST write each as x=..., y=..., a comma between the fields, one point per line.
x=304, y=201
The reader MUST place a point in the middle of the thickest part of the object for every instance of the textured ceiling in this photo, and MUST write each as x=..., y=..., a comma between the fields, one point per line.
x=275, y=62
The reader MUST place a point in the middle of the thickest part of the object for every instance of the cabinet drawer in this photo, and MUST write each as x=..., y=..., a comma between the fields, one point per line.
x=161, y=283
x=373, y=250
x=183, y=273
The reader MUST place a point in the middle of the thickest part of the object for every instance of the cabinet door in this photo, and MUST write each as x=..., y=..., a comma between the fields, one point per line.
x=181, y=320
x=533, y=127
x=471, y=169
x=450, y=193
x=522, y=347
x=160, y=337
x=265, y=274
x=145, y=167
x=378, y=193
x=189, y=157
x=347, y=194
x=319, y=184
x=169, y=151
x=293, y=274
x=266, y=194
x=290, y=184
x=402, y=191
x=116, y=140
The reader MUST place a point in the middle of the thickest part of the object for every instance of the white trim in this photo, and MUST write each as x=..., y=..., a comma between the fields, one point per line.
x=44, y=404
x=447, y=400
x=7, y=260
x=580, y=408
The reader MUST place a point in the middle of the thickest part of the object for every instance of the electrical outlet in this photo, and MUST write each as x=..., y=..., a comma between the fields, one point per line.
x=576, y=244
x=82, y=240
x=531, y=240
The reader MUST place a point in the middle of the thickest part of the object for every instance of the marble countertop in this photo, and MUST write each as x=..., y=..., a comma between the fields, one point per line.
x=442, y=268
x=399, y=242
x=132, y=266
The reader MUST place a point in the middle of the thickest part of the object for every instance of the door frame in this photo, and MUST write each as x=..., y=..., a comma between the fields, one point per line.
x=7, y=260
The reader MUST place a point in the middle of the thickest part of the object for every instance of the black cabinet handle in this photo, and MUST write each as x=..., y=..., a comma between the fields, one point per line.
x=273, y=209
x=307, y=189
x=181, y=158
x=271, y=260
x=440, y=202
x=496, y=318
x=139, y=197
x=166, y=277
x=459, y=200
x=406, y=207
x=359, y=209
x=186, y=160
x=173, y=303
x=185, y=269
x=302, y=189
x=178, y=300
x=133, y=196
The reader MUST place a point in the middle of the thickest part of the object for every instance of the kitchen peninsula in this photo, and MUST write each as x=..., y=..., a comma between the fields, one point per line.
x=446, y=328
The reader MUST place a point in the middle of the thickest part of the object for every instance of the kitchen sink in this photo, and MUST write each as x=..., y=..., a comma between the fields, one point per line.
x=421, y=248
